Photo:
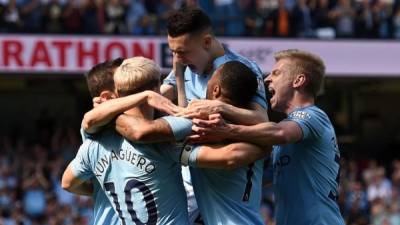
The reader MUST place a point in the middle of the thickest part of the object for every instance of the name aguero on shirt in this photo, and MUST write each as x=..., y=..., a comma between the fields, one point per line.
x=135, y=159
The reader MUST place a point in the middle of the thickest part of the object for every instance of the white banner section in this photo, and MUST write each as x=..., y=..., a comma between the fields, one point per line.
x=77, y=54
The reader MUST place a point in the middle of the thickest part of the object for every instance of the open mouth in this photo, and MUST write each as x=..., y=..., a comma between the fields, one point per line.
x=271, y=91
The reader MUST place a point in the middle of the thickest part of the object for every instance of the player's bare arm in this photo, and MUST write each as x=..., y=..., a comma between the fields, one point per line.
x=230, y=156
x=74, y=185
x=220, y=156
x=105, y=112
x=141, y=130
x=168, y=91
x=263, y=134
x=204, y=108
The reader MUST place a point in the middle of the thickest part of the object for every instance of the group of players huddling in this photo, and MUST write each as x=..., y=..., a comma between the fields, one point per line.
x=203, y=162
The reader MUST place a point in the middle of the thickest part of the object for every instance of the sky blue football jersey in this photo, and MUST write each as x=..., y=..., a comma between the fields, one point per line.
x=142, y=180
x=235, y=195
x=225, y=197
x=103, y=212
x=306, y=173
x=196, y=84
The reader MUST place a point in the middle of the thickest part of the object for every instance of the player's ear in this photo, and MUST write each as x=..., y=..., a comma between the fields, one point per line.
x=299, y=80
x=207, y=40
x=216, y=91
x=107, y=95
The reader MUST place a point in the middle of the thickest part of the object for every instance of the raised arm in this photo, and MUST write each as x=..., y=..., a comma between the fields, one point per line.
x=180, y=82
x=105, y=112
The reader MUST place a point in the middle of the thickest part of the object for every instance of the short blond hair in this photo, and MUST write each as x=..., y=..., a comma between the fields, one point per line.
x=136, y=74
x=312, y=66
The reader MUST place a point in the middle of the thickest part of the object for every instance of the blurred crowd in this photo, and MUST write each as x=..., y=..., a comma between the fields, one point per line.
x=258, y=18
x=31, y=194
x=30, y=173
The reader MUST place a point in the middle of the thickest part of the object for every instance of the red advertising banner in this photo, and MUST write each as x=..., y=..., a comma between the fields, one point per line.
x=77, y=54
x=69, y=54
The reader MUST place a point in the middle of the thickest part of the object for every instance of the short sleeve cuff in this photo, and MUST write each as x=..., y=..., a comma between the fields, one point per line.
x=193, y=156
x=77, y=171
x=181, y=127
x=170, y=79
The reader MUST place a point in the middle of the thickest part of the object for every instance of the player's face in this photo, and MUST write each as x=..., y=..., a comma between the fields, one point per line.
x=191, y=51
x=279, y=83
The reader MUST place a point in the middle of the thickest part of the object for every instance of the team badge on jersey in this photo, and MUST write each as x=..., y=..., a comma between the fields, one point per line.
x=303, y=115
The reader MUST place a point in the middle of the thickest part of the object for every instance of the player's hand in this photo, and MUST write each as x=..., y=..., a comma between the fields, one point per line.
x=212, y=130
x=201, y=109
x=162, y=103
x=97, y=101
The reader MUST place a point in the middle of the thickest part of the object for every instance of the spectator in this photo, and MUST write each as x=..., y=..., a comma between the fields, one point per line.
x=162, y=10
x=343, y=15
x=364, y=23
x=114, y=17
x=380, y=186
x=31, y=15
x=396, y=23
x=52, y=17
x=11, y=17
x=279, y=22
x=93, y=16
x=72, y=18
x=255, y=16
x=302, y=21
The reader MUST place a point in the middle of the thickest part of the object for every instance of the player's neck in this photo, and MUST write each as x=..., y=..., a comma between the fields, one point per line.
x=299, y=101
x=217, y=50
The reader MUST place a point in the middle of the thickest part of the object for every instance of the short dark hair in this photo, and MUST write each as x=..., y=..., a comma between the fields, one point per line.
x=101, y=76
x=187, y=21
x=238, y=83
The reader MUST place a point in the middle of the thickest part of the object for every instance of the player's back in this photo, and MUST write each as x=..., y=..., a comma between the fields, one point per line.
x=235, y=195
x=103, y=213
x=143, y=181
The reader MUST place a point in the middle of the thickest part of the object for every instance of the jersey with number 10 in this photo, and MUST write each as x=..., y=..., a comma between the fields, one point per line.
x=306, y=173
x=143, y=181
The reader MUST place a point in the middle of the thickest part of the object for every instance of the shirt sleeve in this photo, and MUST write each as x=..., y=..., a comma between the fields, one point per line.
x=84, y=135
x=193, y=156
x=181, y=127
x=80, y=165
x=260, y=97
x=308, y=123
x=170, y=79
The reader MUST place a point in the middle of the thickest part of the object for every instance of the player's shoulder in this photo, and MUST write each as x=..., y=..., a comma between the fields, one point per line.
x=313, y=119
x=107, y=138
x=307, y=113
x=233, y=56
